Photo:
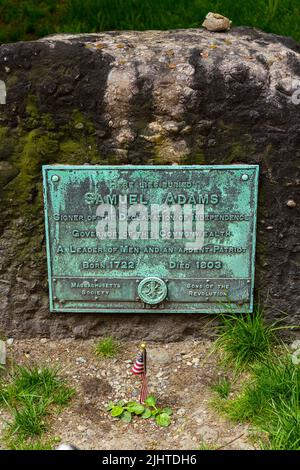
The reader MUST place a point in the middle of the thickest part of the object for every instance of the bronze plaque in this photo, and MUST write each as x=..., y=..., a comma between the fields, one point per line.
x=141, y=239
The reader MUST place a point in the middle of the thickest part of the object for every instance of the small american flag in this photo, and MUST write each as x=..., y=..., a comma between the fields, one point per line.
x=140, y=368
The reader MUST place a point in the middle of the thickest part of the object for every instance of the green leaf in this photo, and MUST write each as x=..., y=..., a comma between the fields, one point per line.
x=121, y=403
x=135, y=407
x=131, y=406
x=138, y=409
x=110, y=405
x=163, y=420
x=126, y=417
x=131, y=403
x=167, y=410
x=117, y=411
x=147, y=414
x=151, y=401
x=154, y=412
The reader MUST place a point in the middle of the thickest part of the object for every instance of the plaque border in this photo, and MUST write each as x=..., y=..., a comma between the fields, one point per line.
x=175, y=167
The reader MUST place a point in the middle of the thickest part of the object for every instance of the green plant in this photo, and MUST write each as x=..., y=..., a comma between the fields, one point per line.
x=28, y=420
x=31, y=393
x=283, y=427
x=107, y=347
x=28, y=20
x=207, y=446
x=126, y=411
x=270, y=401
x=41, y=382
x=19, y=443
x=222, y=387
x=245, y=338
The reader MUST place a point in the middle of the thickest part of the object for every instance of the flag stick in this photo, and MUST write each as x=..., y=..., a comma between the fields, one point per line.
x=140, y=368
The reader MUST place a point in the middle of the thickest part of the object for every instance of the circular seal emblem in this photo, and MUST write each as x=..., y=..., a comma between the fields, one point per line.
x=152, y=290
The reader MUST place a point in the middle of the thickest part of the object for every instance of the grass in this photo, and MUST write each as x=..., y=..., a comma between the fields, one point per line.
x=245, y=338
x=270, y=402
x=23, y=20
x=37, y=444
x=207, y=446
x=107, y=347
x=29, y=419
x=31, y=394
x=222, y=387
x=268, y=396
x=36, y=382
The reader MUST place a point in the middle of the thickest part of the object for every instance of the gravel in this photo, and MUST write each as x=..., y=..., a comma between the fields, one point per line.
x=185, y=387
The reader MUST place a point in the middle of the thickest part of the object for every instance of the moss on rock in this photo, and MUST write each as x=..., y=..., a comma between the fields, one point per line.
x=38, y=141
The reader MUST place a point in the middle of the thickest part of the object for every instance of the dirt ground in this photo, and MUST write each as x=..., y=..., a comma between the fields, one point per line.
x=180, y=376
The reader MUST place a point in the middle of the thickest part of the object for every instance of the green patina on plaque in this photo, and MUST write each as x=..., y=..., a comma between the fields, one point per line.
x=141, y=239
